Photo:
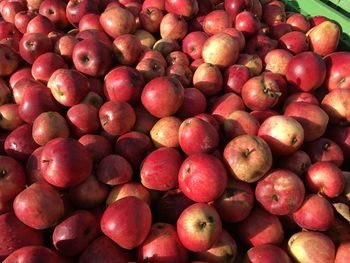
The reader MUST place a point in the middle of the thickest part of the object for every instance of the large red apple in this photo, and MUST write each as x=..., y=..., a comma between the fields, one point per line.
x=185, y=8
x=173, y=26
x=192, y=44
x=296, y=42
x=10, y=118
x=75, y=10
x=337, y=74
x=235, y=77
x=55, y=10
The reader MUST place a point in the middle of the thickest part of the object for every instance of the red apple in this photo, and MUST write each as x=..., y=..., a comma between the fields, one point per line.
x=280, y=192
x=283, y=134
x=65, y=46
x=128, y=189
x=9, y=59
x=208, y=79
x=336, y=106
x=22, y=73
x=181, y=72
x=260, y=228
x=177, y=57
x=236, y=203
x=277, y=60
x=298, y=162
x=202, y=177
x=216, y=21
x=342, y=255
x=236, y=34
x=32, y=254
x=39, y=199
x=154, y=3
x=316, y=213
x=75, y=10
x=296, y=42
x=22, y=19
x=15, y=234
x=193, y=43
x=165, y=132
x=337, y=74
x=74, y=233
x=127, y=49
x=299, y=22
x=150, y=19
x=49, y=125
x=166, y=46
x=194, y=103
x=301, y=97
x=261, y=116
x=273, y=13
x=9, y=117
x=132, y=210
x=162, y=242
x=8, y=30
x=55, y=10
x=260, y=44
x=247, y=23
x=199, y=227
x=278, y=29
x=239, y=123
x=267, y=254
x=309, y=246
x=252, y=62
x=185, y=8
x=65, y=162
x=32, y=167
x=97, y=145
x=9, y=10
x=114, y=170
x=40, y=24
x=234, y=7
x=90, y=21
x=32, y=45
x=225, y=105
x=150, y=69
x=235, y=77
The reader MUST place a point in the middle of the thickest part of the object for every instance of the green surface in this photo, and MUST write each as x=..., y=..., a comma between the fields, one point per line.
x=331, y=9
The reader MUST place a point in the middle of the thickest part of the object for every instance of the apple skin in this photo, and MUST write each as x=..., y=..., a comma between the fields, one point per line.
x=162, y=245
x=247, y=23
x=283, y=134
x=166, y=46
x=182, y=73
x=39, y=199
x=309, y=246
x=202, y=177
x=324, y=149
x=239, y=123
x=298, y=162
x=10, y=60
x=162, y=96
x=260, y=228
x=19, y=144
x=21, y=86
x=22, y=73
x=280, y=192
x=49, y=125
x=110, y=21
x=208, y=79
x=277, y=60
x=273, y=13
x=10, y=118
x=90, y=21
x=32, y=167
x=316, y=213
x=224, y=249
x=222, y=106
x=103, y=249
x=165, y=132
x=301, y=97
x=278, y=29
x=234, y=77
x=267, y=254
x=128, y=189
x=59, y=162
x=75, y=10
x=221, y=50
x=15, y=234
x=150, y=19
x=134, y=211
x=325, y=178
x=150, y=69
x=173, y=26
x=312, y=118
x=159, y=170
x=199, y=227
x=192, y=44
x=12, y=178
x=40, y=24
x=342, y=255
x=299, y=22
x=337, y=75
x=32, y=254
x=236, y=203
x=194, y=103
x=64, y=46
x=335, y=105
x=9, y=30
x=311, y=71
x=55, y=10
x=252, y=62
x=234, y=7
x=216, y=21
x=247, y=158
x=185, y=8
x=9, y=9
x=97, y=146
x=260, y=44
x=83, y=119
x=127, y=48
x=193, y=132
x=296, y=42
x=74, y=233
x=114, y=170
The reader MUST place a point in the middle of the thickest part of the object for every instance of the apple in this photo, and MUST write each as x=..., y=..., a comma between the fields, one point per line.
x=68, y=86
x=105, y=250
x=165, y=132
x=21, y=20
x=9, y=117
x=221, y=50
x=208, y=79
x=19, y=143
x=9, y=9
x=324, y=38
x=83, y=119
x=20, y=74
x=299, y=22
x=273, y=13
x=114, y=169
x=267, y=254
x=133, y=233
x=247, y=23
x=236, y=34
x=133, y=146
x=252, y=62
x=324, y=149
x=301, y=97
x=49, y=125
x=127, y=49
x=194, y=103
x=260, y=93
x=75, y=10
x=150, y=19
x=32, y=254
x=9, y=59
x=336, y=74
x=15, y=234
x=326, y=178
x=199, y=227
x=296, y=42
x=234, y=7
x=277, y=60
x=173, y=26
x=234, y=77
x=177, y=57
x=216, y=21
x=206, y=137
x=181, y=72
x=166, y=46
x=260, y=44
x=260, y=228
x=40, y=24
x=97, y=145
x=39, y=199
x=150, y=69
x=202, y=177
x=74, y=233
x=280, y=192
x=192, y=44
x=65, y=162
x=90, y=21
x=162, y=243
x=334, y=104
x=117, y=21
x=316, y=213
x=298, y=162
x=128, y=189
x=283, y=134
x=185, y=8
x=65, y=46
x=239, y=123
x=9, y=30
x=32, y=45
x=309, y=246
x=89, y=194
x=146, y=39
x=225, y=248
x=236, y=203
x=32, y=167
x=21, y=86
x=278, y=29
x=55, y=10
x=342, y=255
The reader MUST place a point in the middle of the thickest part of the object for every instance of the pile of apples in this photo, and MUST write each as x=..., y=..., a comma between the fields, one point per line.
x=172, y=131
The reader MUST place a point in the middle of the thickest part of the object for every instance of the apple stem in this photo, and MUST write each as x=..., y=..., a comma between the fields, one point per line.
x=247, y=152
x=3, y=173
x=326, y=147
x=45, y=161
x=294, y=140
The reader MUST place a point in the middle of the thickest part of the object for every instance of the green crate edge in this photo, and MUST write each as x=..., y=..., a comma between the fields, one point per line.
x=317, y=7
